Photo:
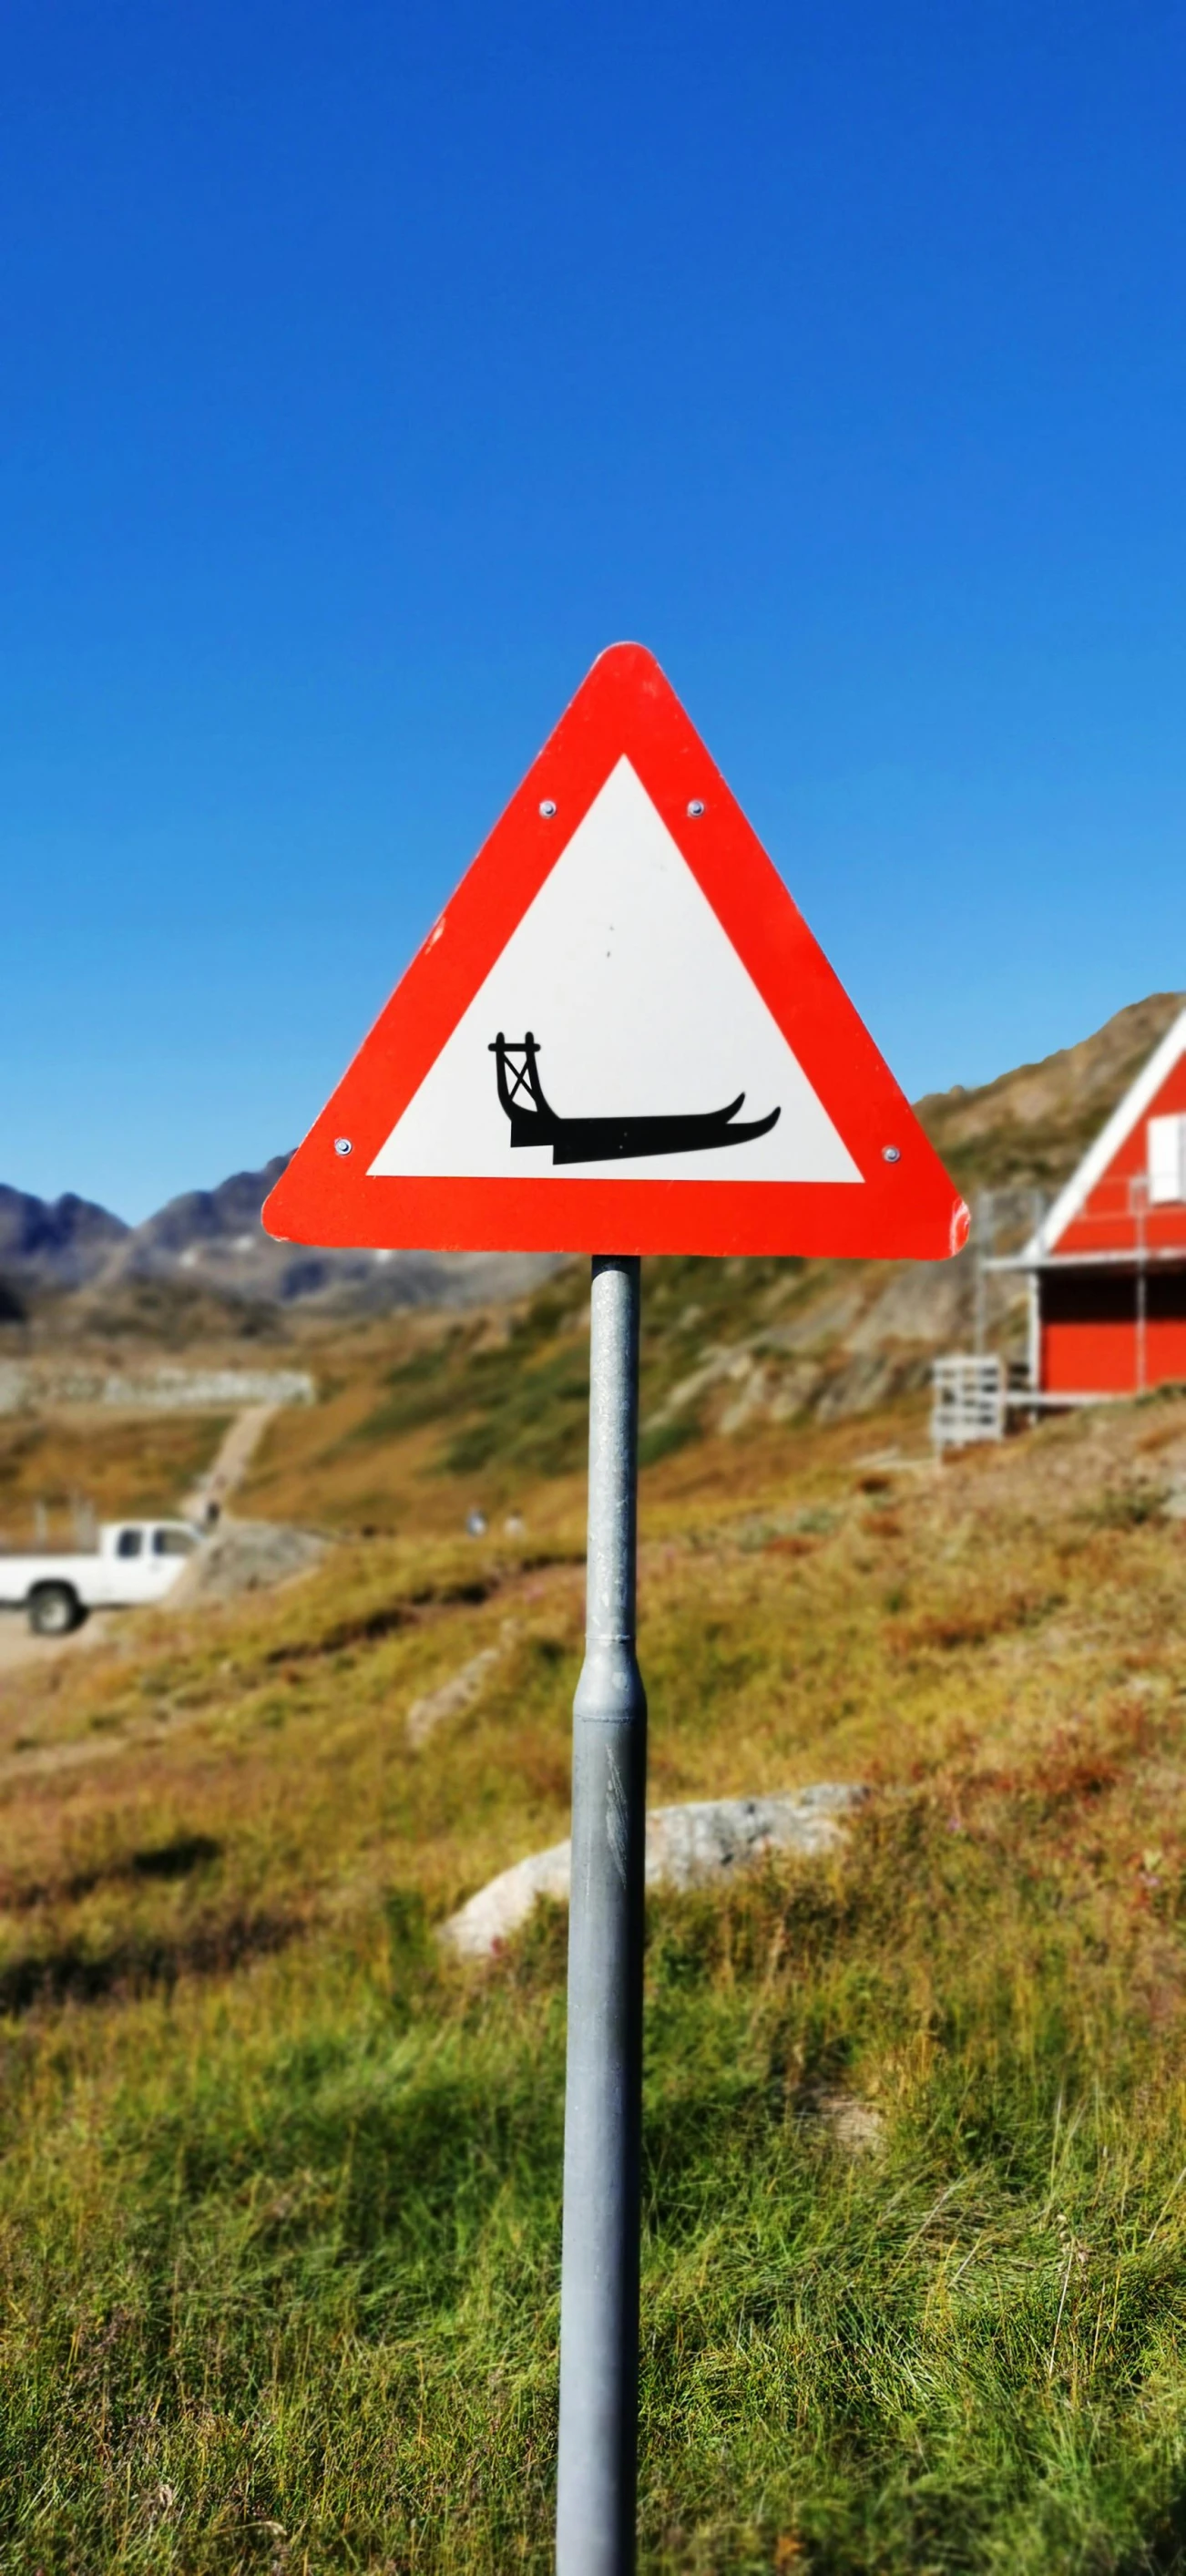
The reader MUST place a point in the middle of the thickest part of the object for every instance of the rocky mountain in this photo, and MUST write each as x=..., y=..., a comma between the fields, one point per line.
x=212, y=1240
x=58, y=1243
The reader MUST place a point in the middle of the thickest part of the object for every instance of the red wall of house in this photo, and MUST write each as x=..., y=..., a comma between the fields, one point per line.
x=1089, y=1330
x=1101, y=1359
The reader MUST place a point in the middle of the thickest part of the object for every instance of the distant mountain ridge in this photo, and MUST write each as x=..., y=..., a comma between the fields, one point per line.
x=213, y=1239
x=58, y=1243
x=1026, y=1129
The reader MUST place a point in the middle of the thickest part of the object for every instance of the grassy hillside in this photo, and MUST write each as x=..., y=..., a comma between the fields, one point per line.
x=279, y=2202
x=115, y=1463
x=279, y=2198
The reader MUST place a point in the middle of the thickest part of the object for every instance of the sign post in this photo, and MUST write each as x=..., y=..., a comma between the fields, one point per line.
x=567, y=1062
x=603, y=2096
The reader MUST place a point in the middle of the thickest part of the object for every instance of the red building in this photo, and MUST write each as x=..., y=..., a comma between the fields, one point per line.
x=1108, y=1263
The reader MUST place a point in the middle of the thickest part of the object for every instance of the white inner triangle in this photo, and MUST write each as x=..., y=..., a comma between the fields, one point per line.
x=641, y=1007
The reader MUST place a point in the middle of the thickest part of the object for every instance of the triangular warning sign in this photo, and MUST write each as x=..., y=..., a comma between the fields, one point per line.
x=620, y=1035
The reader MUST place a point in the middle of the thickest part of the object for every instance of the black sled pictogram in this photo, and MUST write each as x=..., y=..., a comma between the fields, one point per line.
x=607, y=1140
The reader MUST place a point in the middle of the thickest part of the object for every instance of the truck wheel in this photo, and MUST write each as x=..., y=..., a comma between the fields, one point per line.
x=54, y=1609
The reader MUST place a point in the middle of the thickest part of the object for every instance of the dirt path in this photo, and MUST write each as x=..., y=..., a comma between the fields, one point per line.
x=238, y=1448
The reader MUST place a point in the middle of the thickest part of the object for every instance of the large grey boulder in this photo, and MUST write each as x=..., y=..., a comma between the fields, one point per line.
x=686, y=1847
x=246, y=1556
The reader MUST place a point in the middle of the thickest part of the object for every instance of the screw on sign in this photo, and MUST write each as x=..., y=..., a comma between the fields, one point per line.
x=620, y=1032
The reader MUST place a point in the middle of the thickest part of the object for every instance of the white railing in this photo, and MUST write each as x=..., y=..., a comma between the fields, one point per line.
x=967, y=1399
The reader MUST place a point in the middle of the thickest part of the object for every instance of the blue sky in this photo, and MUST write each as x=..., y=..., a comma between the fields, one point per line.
x=366, y=369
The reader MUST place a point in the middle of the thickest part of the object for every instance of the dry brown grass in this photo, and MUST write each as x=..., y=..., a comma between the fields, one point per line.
x=963, y=1627
x=114, y=1463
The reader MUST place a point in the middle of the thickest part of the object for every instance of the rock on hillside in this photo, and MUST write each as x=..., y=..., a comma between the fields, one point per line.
x=246, y=1556
x=685, y=1847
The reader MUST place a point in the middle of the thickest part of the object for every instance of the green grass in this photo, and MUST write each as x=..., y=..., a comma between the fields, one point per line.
x=503, y=1402
x=531, y=1415
x=280, y=2263
x=522, y=1402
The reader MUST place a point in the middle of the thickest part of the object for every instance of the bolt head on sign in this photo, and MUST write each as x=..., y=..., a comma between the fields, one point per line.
x=620, y=1032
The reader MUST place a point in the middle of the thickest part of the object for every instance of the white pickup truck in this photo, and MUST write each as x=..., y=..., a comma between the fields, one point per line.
x=133, y=1561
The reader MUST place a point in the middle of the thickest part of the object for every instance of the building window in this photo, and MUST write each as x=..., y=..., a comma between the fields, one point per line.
x=1167, y=1160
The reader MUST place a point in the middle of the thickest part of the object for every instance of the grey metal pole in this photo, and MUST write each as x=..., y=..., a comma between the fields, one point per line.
x=603, y=2102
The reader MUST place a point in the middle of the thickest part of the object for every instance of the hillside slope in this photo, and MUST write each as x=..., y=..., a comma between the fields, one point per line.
x=279, y=2203
x=1030, y=1127
x=279, y=2207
